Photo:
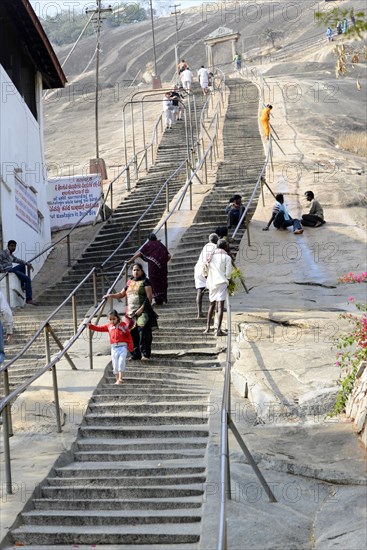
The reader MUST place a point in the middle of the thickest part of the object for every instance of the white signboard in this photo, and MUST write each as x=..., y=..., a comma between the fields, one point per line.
x=73, y=196
x=26, y=205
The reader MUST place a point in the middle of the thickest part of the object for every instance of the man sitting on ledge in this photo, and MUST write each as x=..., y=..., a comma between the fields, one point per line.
x=7, y=259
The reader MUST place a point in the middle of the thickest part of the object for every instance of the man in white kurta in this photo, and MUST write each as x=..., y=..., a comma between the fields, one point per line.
x=186, y=79
x=220, y=269
x=203, y=76
x=200, y=280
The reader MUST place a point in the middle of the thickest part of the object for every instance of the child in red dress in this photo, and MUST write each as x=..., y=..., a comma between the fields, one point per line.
x=120, y=340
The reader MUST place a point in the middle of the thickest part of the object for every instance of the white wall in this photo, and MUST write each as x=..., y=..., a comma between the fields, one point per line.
x=21, y=147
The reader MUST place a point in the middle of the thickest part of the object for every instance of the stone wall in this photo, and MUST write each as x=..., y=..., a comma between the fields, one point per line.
x=356, y=408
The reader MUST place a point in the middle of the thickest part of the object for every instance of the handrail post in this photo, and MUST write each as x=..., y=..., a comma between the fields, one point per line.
x=247, y=222
x=6, y=393
x=95, y=288
x=68, y=249
x=128, y=183
x=75, y=317
x=166, y=234
x=47, y=344
x=205, y=165
x=7, y=460
x=111, y=193
x=262, y=192
x=191, y=195
x=7, y=288
x=139, y=234
x=167, y=197
x=90, y=345
x=56, y=397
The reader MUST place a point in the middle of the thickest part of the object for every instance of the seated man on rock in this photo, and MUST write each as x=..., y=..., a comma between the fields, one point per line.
x=315, y=217
x=281, y=218
x=7, y=259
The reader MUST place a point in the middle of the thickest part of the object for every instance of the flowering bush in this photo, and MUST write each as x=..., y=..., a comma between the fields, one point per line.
x=353, y=278
x=353, y=345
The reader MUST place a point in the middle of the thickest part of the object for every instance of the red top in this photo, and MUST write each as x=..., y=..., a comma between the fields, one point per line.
x=118, y=333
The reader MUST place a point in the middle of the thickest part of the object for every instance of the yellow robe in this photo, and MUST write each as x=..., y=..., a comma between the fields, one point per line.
x=264, y=119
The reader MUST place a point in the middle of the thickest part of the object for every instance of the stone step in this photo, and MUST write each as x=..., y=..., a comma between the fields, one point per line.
x=138, y=432
x=131, y=546
x=111, y=419
x=105, y=471
x=82, y=491
x=110, y=518
x=144, y=444
x=149, y=408
x=127, y=534
x=128, y=481
x=118, y=504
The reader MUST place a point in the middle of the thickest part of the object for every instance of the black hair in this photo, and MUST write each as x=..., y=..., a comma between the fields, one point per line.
x=12, y=242
x=140, y=267
x=152, y=237
x=222, y=243
x=213, y=238
x=310, y=194
x=279, y=197
x=114, y=313
x=222, y=231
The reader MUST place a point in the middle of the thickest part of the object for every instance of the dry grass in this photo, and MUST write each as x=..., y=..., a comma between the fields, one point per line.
x=355, y=142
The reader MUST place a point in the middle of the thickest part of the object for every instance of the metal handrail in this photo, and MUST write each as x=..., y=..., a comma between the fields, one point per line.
x=226, y=420
x=51, y=363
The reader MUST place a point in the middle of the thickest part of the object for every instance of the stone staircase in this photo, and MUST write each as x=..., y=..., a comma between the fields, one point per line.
x=171, y=152
x=135, y=477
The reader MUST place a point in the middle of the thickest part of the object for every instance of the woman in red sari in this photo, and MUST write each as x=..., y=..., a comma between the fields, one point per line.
x=157, y=257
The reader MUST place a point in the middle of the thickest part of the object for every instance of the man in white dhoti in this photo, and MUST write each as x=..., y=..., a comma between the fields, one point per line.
x=203, y=76
x=186, y=79
x=200, y=280
x=219, y=273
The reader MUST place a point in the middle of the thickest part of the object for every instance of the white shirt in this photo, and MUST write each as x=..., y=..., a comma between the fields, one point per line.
x=203, y=75
x=186, y=75
x=167, y=104
x=220, y=269
x=6, y=314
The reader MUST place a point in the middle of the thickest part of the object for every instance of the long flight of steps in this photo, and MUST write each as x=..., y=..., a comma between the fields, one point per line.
x=171, y=152
x=135, y=477
x=138, y=470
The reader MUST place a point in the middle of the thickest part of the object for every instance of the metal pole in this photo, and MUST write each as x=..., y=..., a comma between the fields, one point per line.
x=143, y=130
x=68, y=250
x=47, y=344
x=252, y=462
x=139, y=234
x=153, y=38
x=166, y=234
x=167, y=197
x=56, y=397
x=6, y=393
x=95, y=288
x=97, y=76
x=7, y=288
x=90, y=344
x=75, y=318
x=7, y=458
x=247, y=222
x=133, y=138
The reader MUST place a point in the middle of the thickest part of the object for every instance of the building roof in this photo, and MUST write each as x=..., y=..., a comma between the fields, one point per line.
x=36, y=42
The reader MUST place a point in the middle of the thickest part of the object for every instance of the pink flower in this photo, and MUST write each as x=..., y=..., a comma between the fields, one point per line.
x=351, y=299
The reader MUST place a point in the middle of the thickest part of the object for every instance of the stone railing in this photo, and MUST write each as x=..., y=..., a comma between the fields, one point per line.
x=356, y=408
